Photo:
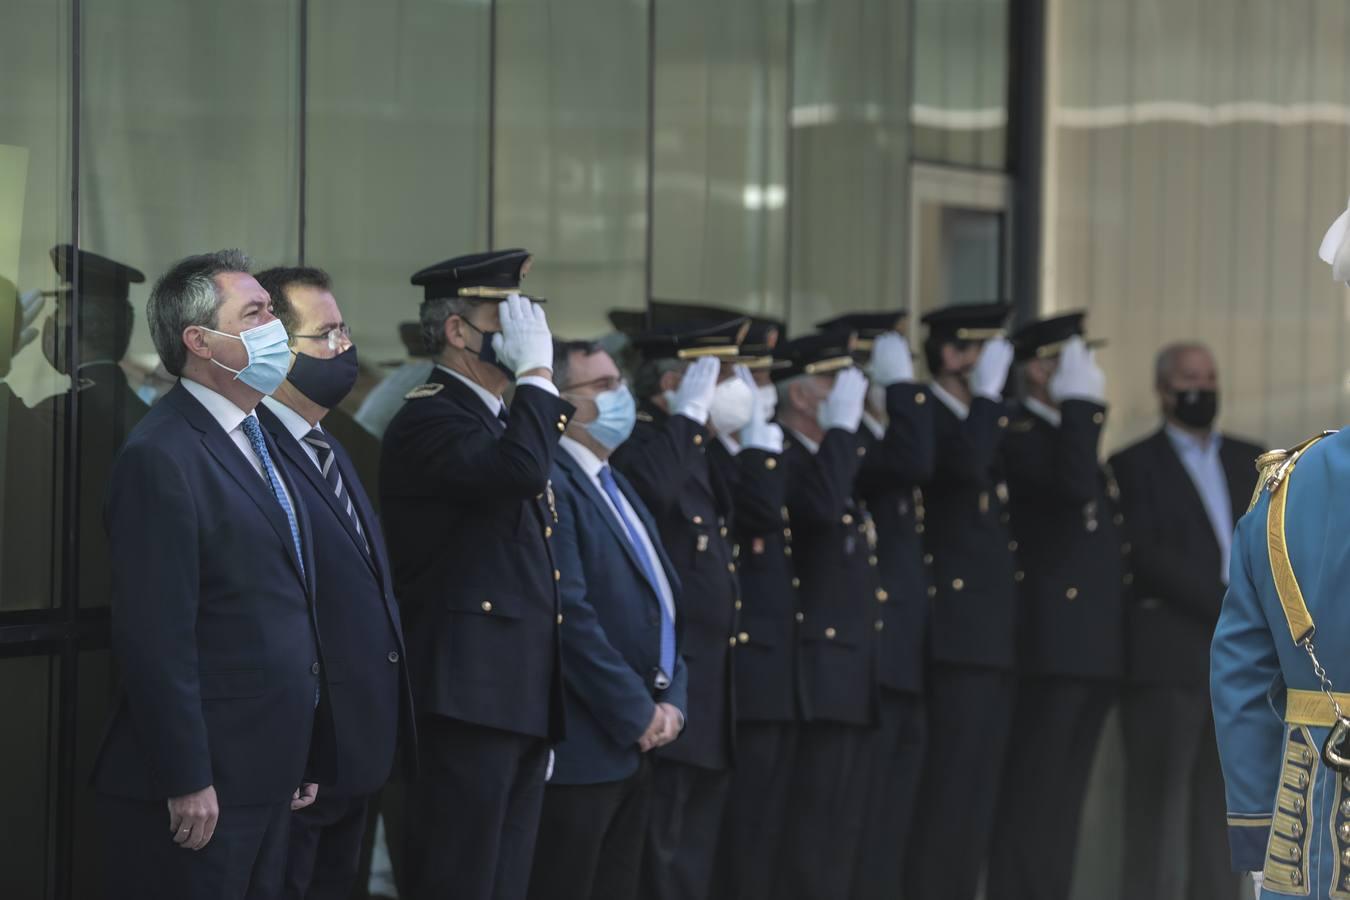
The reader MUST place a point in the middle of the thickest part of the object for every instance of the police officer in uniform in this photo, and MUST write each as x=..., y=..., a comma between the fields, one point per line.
x=679, y=401
x=898, y=440
x=468, y=515
x=820, y=405
x=970, y=681
x=1071, y=626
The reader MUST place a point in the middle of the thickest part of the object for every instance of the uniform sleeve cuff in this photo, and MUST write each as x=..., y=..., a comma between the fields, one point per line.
x=1247, y=839
x=543, y=384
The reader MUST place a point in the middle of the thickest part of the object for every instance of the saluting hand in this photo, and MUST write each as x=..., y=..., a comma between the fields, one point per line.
x=991, y=369
x=1078, y=376
x=843, y=408
x=759, y=432
x=525, y=345
x=891, y=360
x=693, y=399
x=193, y=818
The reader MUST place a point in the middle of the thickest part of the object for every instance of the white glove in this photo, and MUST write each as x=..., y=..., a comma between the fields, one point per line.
x=30, y=306
x=1335, y=248
x=1078, y=376
x=891, y=360
x=548, y=773
x=1257, y=879
x=991, y=369
x=759, y=432
x=524, y=342
x=693, y=399
x=843, y=408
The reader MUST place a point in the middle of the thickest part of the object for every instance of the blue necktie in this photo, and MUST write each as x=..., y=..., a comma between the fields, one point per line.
x=648, y=569
x=253, y=431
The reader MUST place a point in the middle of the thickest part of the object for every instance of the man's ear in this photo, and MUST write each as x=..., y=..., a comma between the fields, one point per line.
x=194, y=339
x=454, y=330
x=670, y=380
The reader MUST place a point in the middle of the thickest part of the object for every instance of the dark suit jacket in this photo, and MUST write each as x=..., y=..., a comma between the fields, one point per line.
x=888, y=485
x=768, y=675
x=467, y=513
x=665, y=461
x=839, y=586
x=358, y=621
x=212, y=621
x=1175, y=556
x=611, y=631
x=966, y=532
x=1070, y=548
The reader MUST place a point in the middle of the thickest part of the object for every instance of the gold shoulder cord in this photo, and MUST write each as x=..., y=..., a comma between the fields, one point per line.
x=1277, y=467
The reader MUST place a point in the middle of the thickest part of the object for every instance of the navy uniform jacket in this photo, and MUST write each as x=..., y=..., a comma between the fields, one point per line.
x=966, y=531
x=1287, y=811
x=1070, y=547
x=611, y=631
x=768, y=677
x=213, y=626
x=358, y=621
x=1175, y=557
x=467, y=515
x=839, y=588
x=665, y=461
x=888, y=484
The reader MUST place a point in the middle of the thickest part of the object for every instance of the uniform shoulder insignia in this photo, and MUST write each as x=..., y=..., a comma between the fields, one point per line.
x=645, y=417
x=424, y=390
x=1273, y=465
x=1022, y=425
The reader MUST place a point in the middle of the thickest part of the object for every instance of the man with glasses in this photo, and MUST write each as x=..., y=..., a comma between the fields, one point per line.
x=358, y=616
x=470, y=515
x=626, y=687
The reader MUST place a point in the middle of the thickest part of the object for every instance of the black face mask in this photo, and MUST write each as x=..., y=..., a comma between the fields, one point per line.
x=1197, y=409
x=488, y=353
x=325, y=381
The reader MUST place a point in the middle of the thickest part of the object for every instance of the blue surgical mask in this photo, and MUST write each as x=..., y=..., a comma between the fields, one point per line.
x=269, y=356
x=617, y=413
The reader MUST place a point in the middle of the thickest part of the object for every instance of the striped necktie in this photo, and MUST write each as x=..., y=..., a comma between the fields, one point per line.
x=328, y=466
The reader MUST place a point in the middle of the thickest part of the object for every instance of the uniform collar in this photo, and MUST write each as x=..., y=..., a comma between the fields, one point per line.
x=490, y=400
x=291, y=420
x=959, y=409
x=584, y=456
x=1043, y=411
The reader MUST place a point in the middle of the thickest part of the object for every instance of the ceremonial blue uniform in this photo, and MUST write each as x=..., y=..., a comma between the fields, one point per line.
x=1288, y=813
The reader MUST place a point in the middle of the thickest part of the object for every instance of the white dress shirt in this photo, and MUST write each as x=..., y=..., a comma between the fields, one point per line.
x=1043, y=411
x=811, y=446
x=1201, y=461
x=231, y=420
x=960, y=409
x=591, y=465
x=491, y=400
x=874, y=425
x=296, y=426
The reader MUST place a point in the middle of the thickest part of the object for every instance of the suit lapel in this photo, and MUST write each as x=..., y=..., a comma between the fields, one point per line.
x=1170, y=463
x=597, y=500
x=650, y=524
x=357, y=492
x=300, y=461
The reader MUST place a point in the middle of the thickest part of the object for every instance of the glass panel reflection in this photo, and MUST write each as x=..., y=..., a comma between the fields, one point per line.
x=960, y=107
x=27, y=701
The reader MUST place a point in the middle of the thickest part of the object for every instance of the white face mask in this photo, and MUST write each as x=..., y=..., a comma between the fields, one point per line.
x=768, y=397
x=731, y=406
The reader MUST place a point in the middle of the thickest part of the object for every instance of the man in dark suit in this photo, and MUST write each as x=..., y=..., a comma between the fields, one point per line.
x=1071, y=626
x=626, y=685
x=972, y=629
x=666, y=462
x=223, y=709
x=357, y=614
x=1182, y=491
x=469, y=513
x=898, y=456
x=820, y=404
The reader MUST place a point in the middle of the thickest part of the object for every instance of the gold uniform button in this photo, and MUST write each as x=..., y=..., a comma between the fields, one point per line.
x=487, y=606
x=796, y=582
x=771, y=463
x=932, y=590
x=871, y=560
x=393, y=656
x=787, y=551
x=1344, y=831
x=928, y=559
x=882, y=596
x=801, y=617
x=1012, y=545
x=722, y=531
x=562, y=427
x=697, y=520
x=737, y=604
x=548, y=531
x=731, y=567
x=732, y=641
x=557, y=576
x=314, y=669
x=879, y=625
x=1019, y=576
x=830, y=633
x=862, y=451
x=562, y=417
x=918, y=529
x=1071, y=593
x=920, y=399
x=847, y=519
x=559, y=618
x=787, y=533
x=1098, y=418
x=743, y=637
x=1002, y=421
x=698, y=440
x=958, y=584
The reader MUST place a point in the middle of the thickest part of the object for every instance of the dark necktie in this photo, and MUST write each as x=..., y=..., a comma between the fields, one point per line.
x=253, y=431
x=503, y=416
x=328, y=466
x=648, y=568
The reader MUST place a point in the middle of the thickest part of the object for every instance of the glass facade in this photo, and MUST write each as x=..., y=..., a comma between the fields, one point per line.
x=755, y=155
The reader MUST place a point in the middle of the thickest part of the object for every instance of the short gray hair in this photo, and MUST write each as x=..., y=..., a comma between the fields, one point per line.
x=434, y=315
x=647, y=378
x=188, y=295
x=1166, y=361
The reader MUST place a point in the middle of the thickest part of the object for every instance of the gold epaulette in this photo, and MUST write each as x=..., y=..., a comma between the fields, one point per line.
x=645, y=417
x=1273, y=465
x=424, y=390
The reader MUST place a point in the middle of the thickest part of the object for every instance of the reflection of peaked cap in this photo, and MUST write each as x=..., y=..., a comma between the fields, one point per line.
x=98, y=275
x=477, y=276
x=968, y=321
x=815, y=354
x=1045, y=338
